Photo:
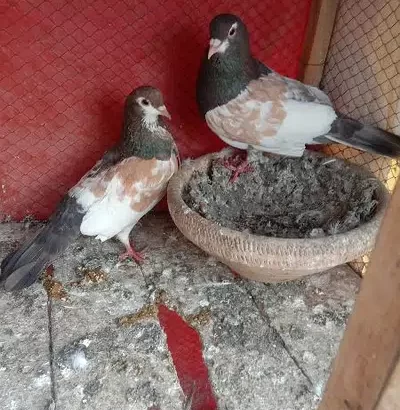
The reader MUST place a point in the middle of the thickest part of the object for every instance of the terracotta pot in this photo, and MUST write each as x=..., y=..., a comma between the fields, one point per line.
x=269, y=259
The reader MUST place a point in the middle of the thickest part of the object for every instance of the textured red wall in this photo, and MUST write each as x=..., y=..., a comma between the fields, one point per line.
x=66, y=66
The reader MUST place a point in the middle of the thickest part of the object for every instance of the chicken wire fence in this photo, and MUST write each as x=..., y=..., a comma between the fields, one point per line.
x=362, y=77
x=67, y=65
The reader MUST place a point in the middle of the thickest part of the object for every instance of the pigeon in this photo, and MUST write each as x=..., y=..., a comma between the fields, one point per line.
x=110, y=198
x=250, y=106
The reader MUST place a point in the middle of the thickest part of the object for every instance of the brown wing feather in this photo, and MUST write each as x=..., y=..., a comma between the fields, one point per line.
x=246, y=119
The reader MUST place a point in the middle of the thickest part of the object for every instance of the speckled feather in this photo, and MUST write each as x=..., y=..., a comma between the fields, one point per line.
x=109, y=200
x=248, y=105
x=115, y=198
x=272, y=114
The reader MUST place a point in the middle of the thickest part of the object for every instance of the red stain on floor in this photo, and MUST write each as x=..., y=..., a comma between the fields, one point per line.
x=186, y=350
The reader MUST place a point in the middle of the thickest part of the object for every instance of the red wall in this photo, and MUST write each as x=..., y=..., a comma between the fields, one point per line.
x=66, y=65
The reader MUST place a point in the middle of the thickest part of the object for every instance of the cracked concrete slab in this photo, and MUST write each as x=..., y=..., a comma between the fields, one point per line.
x=98, y=362
x=266, y=346
x=24, y=340
x=310, y=315
x=250, y=343
x=116, y=368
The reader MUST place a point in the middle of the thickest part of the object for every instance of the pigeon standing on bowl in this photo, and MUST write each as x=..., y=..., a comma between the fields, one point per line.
x=248, y=105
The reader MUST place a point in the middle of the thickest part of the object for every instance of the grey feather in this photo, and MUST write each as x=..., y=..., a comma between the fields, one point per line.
x=365, y=137
x=22, y=267
x=306, y=93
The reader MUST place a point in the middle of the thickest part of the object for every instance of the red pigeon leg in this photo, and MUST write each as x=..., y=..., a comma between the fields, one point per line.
x=132, y=253
x=238, y=164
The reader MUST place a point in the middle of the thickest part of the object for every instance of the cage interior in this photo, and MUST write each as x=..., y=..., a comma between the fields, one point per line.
x=362, y=77
x=67, y=66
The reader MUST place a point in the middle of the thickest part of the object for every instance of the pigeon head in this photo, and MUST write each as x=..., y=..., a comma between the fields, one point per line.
x=229, y=38
x=144, y=133
x=148, y=103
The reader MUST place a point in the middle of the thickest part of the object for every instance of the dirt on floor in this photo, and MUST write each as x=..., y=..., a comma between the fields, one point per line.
x=311, y=196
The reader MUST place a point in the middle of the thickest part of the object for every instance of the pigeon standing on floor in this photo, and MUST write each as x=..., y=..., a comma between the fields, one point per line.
x=248, y=105
x=110, y=199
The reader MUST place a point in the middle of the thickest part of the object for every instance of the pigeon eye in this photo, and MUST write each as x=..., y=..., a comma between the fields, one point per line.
x=145, y=102
x=232, y=32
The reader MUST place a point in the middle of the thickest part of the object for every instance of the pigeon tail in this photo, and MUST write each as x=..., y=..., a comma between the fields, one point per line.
x=22, y=267
x=364, y=137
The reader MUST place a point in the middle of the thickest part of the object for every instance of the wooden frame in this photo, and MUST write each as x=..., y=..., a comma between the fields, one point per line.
x=390, y=399
x=366, y=372
x=318, y=36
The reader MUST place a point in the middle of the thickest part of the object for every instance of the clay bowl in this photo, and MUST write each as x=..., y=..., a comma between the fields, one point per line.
x=269, y=259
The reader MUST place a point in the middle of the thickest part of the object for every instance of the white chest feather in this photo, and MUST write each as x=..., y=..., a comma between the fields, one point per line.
x=119, y=197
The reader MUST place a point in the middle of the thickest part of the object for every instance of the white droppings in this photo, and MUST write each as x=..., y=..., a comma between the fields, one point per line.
x=298, y=302
x=309, y=357
x=78, y=360
x=66, y=372
x=329, y=161
x=161, y=348
x=42, y=380
x=330, y=325
x=85, y=342
x=167, y=272
x=318, y=389
x=204, y=303
x=211, y=352
x=278, y=380
x=52, y=406
x=79, y=391
x=139, y=334
x=318, y=309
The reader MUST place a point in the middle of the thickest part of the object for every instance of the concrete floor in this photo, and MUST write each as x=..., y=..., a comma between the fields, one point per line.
x=267, y=347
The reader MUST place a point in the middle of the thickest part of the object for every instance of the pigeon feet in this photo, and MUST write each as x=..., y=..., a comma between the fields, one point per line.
x=133, y=254
x=238, y=165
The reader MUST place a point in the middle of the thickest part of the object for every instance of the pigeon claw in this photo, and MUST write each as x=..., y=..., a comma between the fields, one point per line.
x=238, y=165
x=244, y=168
x=132, y=254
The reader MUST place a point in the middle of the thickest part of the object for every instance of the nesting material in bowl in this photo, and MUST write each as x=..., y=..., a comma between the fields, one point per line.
x=306, y=197
x=287, y=219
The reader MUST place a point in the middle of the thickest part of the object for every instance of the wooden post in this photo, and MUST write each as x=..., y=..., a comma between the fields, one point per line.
x=370, y=349
x=318, y=37
x=390, y=399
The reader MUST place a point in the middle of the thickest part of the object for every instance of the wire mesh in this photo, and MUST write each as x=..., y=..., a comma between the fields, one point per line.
x=362, y=76
x=66, y=66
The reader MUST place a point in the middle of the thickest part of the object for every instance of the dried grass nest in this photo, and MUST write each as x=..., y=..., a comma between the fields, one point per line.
x=308, y=197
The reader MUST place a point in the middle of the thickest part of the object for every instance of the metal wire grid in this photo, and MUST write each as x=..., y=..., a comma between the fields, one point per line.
x=66, y=66
x=362, y=76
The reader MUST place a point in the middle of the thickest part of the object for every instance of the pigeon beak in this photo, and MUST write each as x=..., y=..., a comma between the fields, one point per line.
x=216, y=46
x=164, y=112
